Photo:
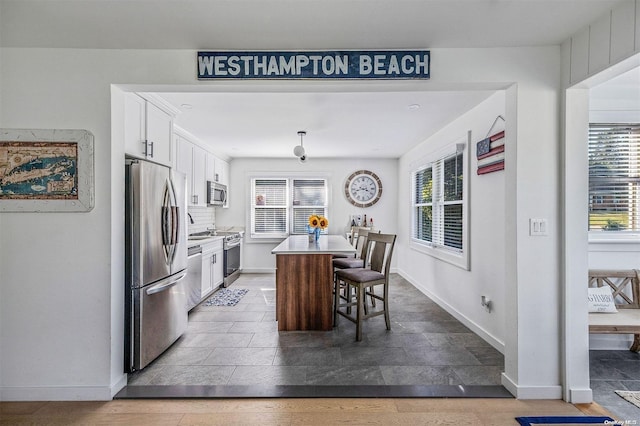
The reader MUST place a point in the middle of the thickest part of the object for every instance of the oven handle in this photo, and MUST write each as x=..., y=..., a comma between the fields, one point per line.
x=231, y=245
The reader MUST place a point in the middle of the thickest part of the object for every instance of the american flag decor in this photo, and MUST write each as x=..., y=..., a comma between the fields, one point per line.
x=490, y=153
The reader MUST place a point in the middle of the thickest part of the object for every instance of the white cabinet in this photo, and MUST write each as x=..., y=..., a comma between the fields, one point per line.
x=211, y=167
x=217, y=170
x=147, y=130
x=212, y=266
x=191, y=160
x=199, y=179
x=222, y=171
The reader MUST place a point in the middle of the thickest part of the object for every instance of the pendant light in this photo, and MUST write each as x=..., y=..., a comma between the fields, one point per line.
x=298, y=151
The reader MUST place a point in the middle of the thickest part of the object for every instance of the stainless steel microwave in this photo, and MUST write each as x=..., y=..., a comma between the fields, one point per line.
x=216, y=193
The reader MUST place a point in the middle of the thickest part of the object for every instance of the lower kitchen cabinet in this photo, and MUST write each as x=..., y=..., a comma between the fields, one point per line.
x=212, y=266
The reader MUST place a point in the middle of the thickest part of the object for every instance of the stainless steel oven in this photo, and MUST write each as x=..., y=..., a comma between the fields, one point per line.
x=232, y=251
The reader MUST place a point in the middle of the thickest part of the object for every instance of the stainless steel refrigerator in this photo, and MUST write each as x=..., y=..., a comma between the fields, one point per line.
x=156, y=261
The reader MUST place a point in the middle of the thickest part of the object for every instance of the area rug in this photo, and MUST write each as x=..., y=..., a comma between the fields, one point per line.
x=226, y=297
x=631, y=396
x=564, y=420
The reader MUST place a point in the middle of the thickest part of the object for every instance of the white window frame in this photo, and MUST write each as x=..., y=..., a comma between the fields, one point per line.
x=289, y=178
x=437, y=249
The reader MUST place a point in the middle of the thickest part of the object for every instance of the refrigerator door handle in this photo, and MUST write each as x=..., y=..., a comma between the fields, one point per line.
x=166, y=284
x=170, y=221
x=175, y=219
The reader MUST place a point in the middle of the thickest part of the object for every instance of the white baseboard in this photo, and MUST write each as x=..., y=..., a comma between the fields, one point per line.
x=580, y=396
x=119, y=385
x=488, y=337
x=531, y=392
x=58, y=393
x=258, y=271
x=54, y=393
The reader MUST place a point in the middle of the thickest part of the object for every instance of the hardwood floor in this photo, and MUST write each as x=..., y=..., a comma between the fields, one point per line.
x=317, y=411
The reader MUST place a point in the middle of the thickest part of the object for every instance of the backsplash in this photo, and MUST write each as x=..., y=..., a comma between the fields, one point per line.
x=204, y=218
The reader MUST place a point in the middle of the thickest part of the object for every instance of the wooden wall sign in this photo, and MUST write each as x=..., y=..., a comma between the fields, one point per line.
x=344, y=64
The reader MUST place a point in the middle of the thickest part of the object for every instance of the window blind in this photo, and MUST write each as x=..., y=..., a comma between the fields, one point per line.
x=282, y=206
x=309, y=198
x=614, y=177
x=452, y=201
x=269, y=207
x=423, y=207
x=438, y=203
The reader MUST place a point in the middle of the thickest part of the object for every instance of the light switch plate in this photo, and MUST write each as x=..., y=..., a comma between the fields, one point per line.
x=537, y=227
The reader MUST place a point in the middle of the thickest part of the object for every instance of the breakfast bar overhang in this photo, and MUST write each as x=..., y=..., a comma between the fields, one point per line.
x=304, y=281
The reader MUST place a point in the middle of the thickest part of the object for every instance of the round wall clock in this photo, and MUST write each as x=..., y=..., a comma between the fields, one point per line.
x=363, y=188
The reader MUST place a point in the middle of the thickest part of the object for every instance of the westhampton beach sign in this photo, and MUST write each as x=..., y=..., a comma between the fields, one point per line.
x=368, y=64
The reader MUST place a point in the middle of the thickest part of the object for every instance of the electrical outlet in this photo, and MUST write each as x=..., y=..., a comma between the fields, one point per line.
x=486, y=303
x=537, y=227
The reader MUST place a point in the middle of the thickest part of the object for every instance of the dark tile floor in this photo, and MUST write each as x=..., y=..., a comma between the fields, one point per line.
x=240, y=345
x=611, y=371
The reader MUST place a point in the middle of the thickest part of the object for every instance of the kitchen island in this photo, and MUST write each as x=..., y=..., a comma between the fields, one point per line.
x=304, y=281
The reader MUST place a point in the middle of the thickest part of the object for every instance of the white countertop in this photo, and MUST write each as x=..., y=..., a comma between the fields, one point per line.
x=201, y=241
x=299, y=244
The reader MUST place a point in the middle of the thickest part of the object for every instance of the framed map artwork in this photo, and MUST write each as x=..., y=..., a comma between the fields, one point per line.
x=46, y=170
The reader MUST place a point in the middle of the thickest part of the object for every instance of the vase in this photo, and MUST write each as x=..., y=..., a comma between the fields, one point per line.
x=317, y=232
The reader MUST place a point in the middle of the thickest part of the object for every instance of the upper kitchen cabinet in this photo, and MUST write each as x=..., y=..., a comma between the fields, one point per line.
x=199, y=164
x=191, y=160
x=211, y=167
x=148, y=129
x=222, y=171
x=217, y=171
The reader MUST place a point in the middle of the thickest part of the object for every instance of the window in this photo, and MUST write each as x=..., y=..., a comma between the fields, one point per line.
x=270, y=207
x=309, y=198
x=438, y=203
x=282, y=205
x=614, y=177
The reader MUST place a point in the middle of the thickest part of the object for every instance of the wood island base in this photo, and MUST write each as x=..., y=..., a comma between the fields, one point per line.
x=304, y=287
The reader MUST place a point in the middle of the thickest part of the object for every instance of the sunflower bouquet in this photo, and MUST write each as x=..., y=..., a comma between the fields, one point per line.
x=317, y=223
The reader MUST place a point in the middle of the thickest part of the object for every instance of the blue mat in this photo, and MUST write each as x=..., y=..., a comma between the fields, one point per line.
x=555, y=420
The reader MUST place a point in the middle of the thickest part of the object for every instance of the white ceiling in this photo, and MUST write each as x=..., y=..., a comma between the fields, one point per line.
x=383, y=125
x=337, y=124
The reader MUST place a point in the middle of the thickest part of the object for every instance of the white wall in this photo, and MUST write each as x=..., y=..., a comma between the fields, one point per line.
x=456, y=289
x=56, y=271
x=257, y=254
x=61, y=305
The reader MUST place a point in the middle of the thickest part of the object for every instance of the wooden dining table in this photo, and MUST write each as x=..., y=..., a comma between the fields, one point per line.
x=304, y=281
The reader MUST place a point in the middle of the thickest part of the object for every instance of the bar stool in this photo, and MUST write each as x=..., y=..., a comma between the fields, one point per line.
x=344, y=292
x=379, y=251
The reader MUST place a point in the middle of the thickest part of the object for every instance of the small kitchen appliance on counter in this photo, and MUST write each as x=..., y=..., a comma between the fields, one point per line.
x=156, y=261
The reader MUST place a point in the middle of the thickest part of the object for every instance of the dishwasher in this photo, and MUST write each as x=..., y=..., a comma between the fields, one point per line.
x=194, y=276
